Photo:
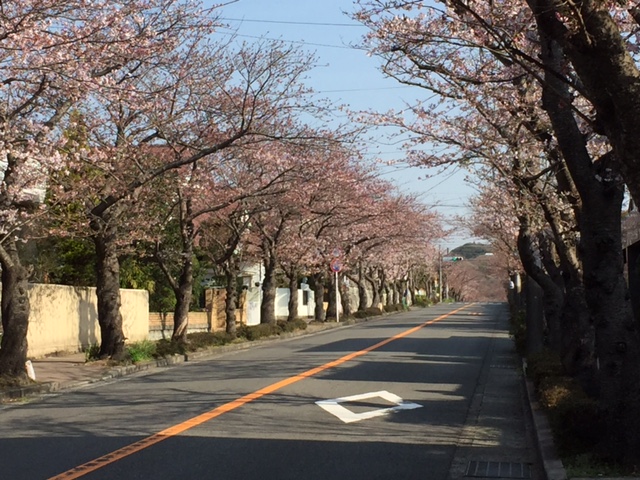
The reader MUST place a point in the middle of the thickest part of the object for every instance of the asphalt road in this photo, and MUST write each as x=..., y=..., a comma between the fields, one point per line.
x=385, y=399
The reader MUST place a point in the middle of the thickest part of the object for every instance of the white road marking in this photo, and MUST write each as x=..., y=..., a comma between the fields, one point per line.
x=334, y=406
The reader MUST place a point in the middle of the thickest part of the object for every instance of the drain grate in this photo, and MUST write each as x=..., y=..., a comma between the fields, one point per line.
x=485, y=469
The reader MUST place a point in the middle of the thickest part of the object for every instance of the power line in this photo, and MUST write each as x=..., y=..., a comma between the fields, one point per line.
x=299, y=42
x=362, y=89
x=285, y=22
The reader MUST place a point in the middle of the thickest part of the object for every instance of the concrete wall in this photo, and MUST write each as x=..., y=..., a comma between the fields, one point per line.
x=254, y=296
x=282, y=303
x=161, y=324
x=306, y=311
x=65, y=318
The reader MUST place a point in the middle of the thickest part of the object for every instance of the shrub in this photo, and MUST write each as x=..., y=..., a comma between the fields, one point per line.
x=167, y=348
x=200, y=340
x=396, y=307
x=574, y=417
x=543, y=365
x=518, y=331
x=367, y=312
x=194, y=342
x=141, y=351
x=421, y=301
x=256, y=332
x=91, y=353
x=293, y=325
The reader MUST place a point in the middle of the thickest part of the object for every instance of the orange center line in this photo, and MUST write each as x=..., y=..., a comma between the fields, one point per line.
x=198, y=420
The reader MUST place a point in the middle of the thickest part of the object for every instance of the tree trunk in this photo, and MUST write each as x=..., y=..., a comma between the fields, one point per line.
x=108, y=290
x=332, y=304
x=184, y=295
x=578, y=336
x=534, y=340
x=571, y=335
x=184, y=288
x=617, y=345
x=553, y=296
x=382, y=287
x=412, y=291
x=553, y=302
x=616, y=336
x=375, y=300
x=230, y=300
x=268, y=305
x=608, y=74
x=293, y=294
x=15, y=314
x=363, y=300
x=345, y=297
x=317, y=280
x=394, y=293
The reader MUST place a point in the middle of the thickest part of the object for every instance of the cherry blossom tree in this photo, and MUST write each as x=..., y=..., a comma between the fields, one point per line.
x=221, y=244
x=332, y=173
x=480, y=45
x=185, y=107
x=205, y=194
x=383, y=237
x=286, y=231
x=53, y=55
x=599, y=40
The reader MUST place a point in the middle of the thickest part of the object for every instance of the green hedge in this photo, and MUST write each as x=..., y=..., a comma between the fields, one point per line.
x=367, y=312
x=574, y=416
x=421, y=301
x=263, y=330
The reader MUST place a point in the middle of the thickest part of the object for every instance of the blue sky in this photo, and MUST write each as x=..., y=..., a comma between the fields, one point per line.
x=349, y=76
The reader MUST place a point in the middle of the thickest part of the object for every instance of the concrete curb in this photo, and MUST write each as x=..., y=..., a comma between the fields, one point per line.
x=553, y=467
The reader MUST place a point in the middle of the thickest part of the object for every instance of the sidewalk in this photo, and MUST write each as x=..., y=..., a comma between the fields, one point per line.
x=499, y=436
x=68, y=371
x=504, y=436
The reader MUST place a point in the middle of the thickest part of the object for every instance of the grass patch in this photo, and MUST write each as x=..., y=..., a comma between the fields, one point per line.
x=91, y=353
x=589, y=465
x=141, y=351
